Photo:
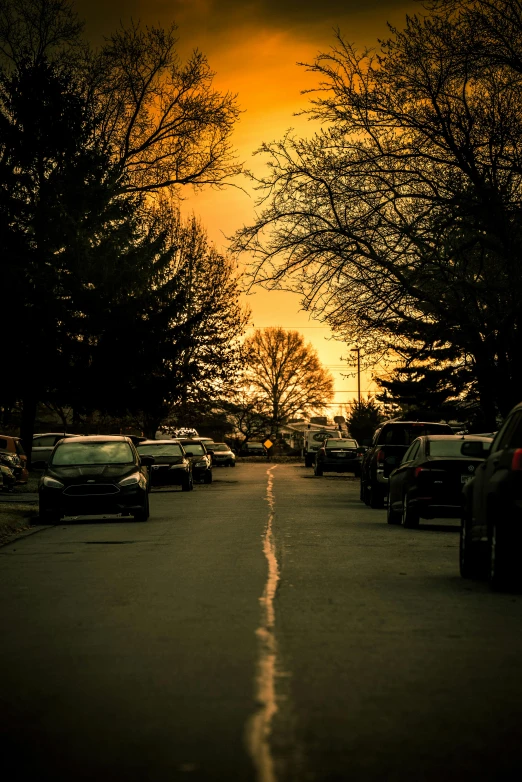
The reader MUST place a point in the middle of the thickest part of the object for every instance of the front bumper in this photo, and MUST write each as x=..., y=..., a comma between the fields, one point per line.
x=122, y=500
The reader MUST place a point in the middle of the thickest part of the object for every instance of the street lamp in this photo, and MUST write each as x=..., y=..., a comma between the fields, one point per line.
x=358, y=351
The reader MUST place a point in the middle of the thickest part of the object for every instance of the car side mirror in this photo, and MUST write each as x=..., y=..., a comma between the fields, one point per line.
x=189, y=453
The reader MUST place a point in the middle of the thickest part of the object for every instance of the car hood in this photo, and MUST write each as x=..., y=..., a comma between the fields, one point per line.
x=98, y=472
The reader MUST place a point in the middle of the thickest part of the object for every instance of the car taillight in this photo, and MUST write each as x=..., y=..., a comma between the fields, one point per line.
x=516, y=461
x=380, y=456
x=418, y=471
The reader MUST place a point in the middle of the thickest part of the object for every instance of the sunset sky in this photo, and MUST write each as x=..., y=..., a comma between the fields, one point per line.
x=254, y=48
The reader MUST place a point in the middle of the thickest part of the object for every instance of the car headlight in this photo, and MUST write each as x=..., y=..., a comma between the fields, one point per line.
x=52, y=483
x=131, y=480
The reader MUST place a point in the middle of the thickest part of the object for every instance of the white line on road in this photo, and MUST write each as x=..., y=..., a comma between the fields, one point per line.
x=259, y=725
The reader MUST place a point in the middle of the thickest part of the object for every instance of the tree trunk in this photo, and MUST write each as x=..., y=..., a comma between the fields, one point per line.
x=29, y=405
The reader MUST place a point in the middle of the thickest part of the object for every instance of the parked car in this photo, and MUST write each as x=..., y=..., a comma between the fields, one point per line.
x=428, y=483
x=7, y=476
x=94, y=475
x=222, y=455
x=13, y=446
x=491, y=524
x=199, y=457
x=253, y=449
x=338, y=454
x=389, y=444
x=171, y=466
x=43, y=445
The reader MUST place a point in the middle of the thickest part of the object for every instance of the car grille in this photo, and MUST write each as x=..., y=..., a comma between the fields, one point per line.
x=88, y=490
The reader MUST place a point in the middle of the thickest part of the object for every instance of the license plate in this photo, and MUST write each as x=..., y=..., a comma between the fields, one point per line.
x=465, y=478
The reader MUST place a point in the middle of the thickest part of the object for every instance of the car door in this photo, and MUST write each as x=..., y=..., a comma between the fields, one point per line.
x=490, y=471
x=399, y=477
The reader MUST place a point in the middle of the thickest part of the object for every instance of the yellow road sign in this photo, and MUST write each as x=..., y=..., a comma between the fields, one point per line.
x=268, y=443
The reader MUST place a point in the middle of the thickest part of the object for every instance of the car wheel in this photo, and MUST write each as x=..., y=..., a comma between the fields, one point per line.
x=376, y=497
x=410, y=518
x=232, y=464
x=187, y=484
x=208, y=477
x=392, y=516
x=143, y=513
x=471, y=560
x=318, y=469
x=309, y=462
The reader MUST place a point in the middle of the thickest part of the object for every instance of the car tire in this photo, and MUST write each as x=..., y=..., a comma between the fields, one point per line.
x=410, y=518
x=318, y=470
x=207, y=478
x=143, y=513
x=231, y=464
x=471, y=559
x=392, y=516
x=187, y=484
x=376, y=499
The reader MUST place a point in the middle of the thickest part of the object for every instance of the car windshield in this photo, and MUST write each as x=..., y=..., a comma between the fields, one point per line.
x=70, y=453
x=454, y=448
x=161, y=449
x=405, y=434
x=194, y=448
x=341, y=444
x=220, y=447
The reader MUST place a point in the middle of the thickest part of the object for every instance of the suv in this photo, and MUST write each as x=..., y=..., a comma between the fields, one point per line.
x=389, y=444
x=252, y=449
x=491, y=525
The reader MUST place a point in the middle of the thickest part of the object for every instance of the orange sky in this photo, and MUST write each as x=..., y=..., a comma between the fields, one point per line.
x=254, y=48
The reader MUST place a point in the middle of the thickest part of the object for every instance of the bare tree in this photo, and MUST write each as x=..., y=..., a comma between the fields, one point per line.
x=400, y=221
x=285, y=374
x=160, y=118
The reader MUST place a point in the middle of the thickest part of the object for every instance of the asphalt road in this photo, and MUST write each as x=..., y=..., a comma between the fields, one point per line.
x=266, y=627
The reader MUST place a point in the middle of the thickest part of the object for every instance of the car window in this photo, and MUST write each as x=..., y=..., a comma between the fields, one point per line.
x=45, y=440
x=411, y=453
x=455, y=448
x=341, y=444
x=195, y=448
x=162, y=449
x=509, y=433
x=220, y=447
x=71, y=453
x=3, y=443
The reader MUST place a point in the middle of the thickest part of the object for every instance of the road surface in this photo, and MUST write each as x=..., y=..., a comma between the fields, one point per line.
x=266, y=627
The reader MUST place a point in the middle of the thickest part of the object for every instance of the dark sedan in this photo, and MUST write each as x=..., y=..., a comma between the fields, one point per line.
x=429, y=480
x=171, y=465
x=222, y=455
x=491, y=525
x=200, y=459
x=92, y=476
x=338, y=455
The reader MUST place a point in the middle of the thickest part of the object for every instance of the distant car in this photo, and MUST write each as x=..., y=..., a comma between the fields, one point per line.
x=13, y=446
x=252, y=449
x=491, y=524
x=429, y=480
x=222, y=455
x=95, y=475
x=171, y=465
x=43, y=445
x=200, y=459
x=390, y=442
x=338, y=454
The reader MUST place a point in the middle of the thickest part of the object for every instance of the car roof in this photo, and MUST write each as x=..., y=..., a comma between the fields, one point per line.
x=99, y=438
x=157, y=442
x=454, y=437
x=55, y=434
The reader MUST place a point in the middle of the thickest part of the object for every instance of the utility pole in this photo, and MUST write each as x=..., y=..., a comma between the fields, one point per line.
x=358, y=351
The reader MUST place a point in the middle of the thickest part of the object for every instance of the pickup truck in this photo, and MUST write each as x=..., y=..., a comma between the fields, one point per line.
x=389, y=444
